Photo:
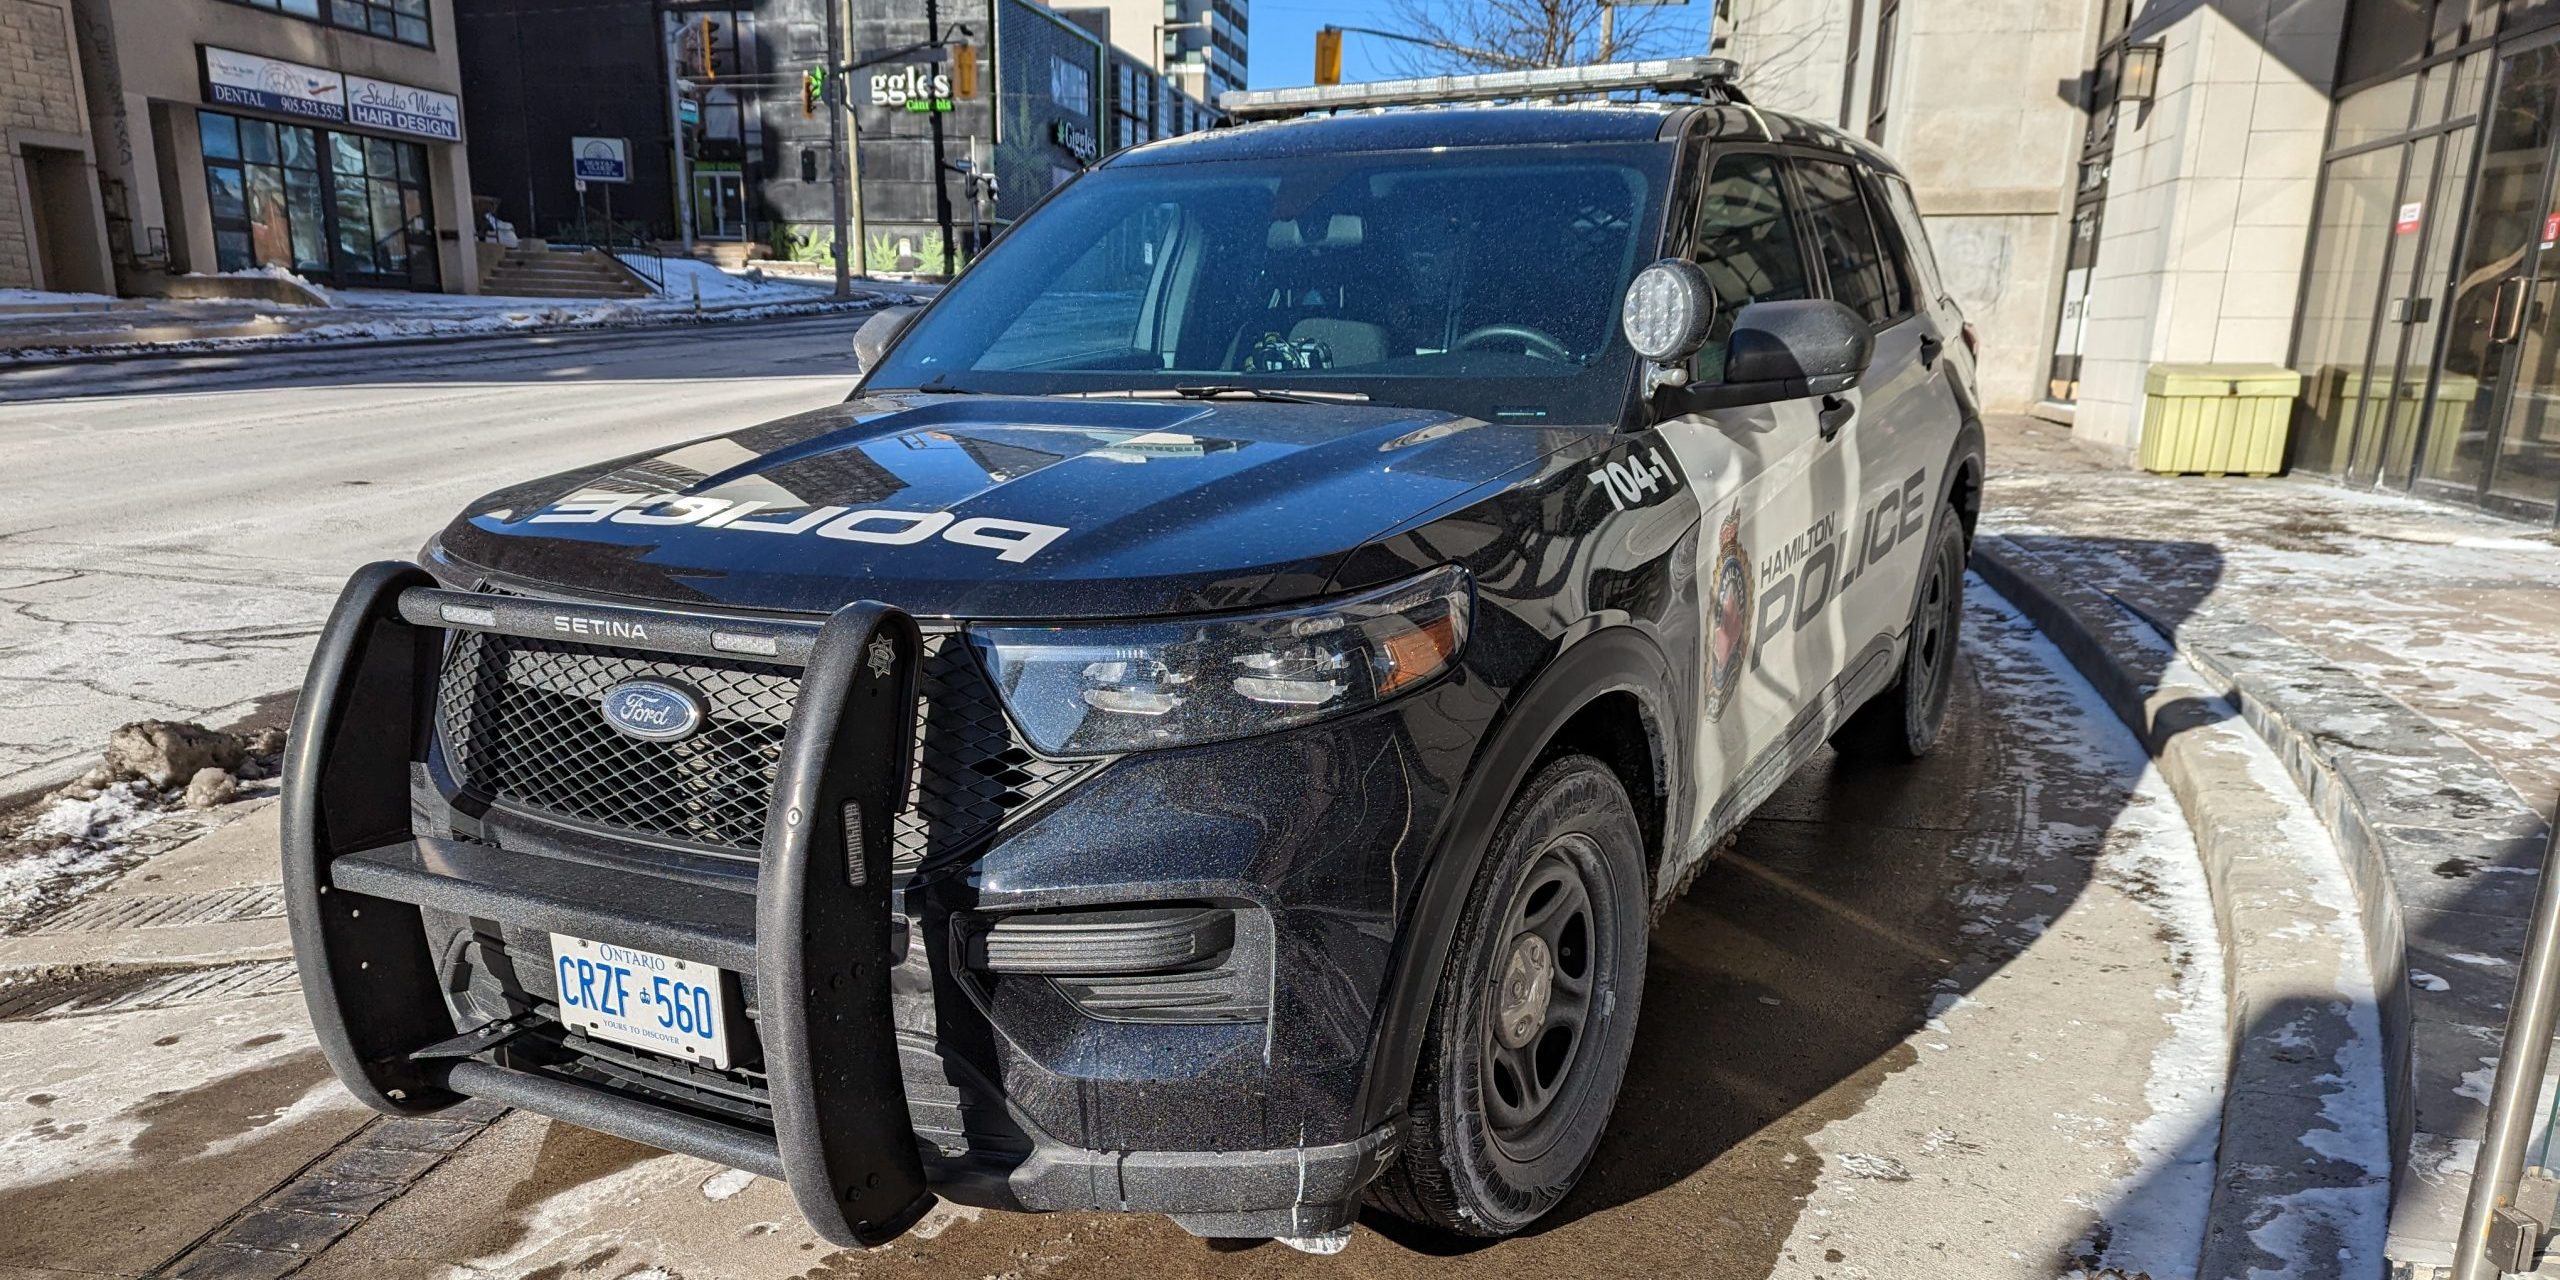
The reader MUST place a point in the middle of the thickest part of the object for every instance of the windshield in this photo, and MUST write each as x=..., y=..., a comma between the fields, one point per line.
x=1481, y=281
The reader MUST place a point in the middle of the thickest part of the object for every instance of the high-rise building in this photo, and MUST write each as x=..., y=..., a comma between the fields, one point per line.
x=1198, y=45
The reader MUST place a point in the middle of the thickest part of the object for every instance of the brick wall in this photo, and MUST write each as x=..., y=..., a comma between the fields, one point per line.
x=39, y=91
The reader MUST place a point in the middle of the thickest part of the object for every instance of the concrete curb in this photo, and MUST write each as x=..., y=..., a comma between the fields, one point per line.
x=2287, y=1021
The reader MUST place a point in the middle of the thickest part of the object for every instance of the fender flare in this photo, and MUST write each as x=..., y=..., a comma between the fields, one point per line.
x=1612, y=660
x=1968, y=450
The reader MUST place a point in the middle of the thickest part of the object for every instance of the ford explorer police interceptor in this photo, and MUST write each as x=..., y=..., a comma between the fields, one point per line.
x=1205, y=727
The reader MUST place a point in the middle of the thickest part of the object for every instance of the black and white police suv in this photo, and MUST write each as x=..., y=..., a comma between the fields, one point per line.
x=1205, y=728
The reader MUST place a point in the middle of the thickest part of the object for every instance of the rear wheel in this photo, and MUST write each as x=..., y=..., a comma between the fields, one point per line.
x=1903, y=722
x=1535, y=1015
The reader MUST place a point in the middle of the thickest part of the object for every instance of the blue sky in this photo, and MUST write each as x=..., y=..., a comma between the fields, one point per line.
x=1283, y=36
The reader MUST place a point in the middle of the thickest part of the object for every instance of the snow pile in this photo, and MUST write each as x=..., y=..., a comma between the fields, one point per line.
x=83, y=835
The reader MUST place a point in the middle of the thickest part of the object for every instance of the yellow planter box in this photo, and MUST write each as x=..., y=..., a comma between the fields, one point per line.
x=2217, y=418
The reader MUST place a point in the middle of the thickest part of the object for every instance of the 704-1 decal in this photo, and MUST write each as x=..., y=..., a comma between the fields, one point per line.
x=1634, y=481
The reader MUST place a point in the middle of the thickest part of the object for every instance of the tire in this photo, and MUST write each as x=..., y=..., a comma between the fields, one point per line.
x=1903, y=722
x=1505, y=1115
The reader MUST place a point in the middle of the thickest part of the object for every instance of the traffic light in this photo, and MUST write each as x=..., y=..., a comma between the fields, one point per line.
x=964, y=71
x=1328, y=55
x=813, y=90
x=708, y=73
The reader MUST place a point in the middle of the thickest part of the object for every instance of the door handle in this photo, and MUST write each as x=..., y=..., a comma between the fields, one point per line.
x=1835, y=414
x=2506, y=310
x=1931, y=347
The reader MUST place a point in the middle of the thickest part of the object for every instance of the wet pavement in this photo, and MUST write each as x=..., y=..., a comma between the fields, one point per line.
x=1928, y=1021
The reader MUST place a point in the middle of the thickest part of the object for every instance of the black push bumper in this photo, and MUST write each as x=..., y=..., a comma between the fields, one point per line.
x=817, y=935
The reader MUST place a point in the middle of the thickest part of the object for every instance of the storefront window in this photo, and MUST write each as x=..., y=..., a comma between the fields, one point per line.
x=262, y=182
x=401, y=20
x=2381, y=111
x=362, y=218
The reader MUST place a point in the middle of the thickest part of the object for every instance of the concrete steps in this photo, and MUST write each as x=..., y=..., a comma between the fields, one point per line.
x=531, y=272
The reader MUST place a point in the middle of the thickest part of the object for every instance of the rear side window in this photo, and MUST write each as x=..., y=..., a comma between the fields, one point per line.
x=1915, y=235
x=1864, y=276
x=1749, y=246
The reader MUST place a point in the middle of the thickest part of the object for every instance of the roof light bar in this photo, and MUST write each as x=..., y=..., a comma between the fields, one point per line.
x=1701, y=76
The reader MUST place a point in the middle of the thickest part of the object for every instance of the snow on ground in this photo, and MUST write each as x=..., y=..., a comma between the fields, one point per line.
x=687, y=279
x=74, y=846
x=40, y=298
x=2356, y=1218
x=693, y=290
x=2152, y=1220
x=2059, y=1105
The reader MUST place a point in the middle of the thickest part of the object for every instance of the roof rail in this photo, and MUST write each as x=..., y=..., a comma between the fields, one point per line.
x=1708, y=78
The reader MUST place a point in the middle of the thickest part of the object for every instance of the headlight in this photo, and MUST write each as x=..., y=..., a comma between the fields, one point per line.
x=1114, y=687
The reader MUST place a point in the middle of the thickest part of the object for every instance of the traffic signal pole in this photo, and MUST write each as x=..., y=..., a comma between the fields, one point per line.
x=839, y=175
x=941, y=186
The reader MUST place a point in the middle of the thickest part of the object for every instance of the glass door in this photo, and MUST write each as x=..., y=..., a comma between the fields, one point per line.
x=720, y=205
x=2495, y=438
x=2395, y=384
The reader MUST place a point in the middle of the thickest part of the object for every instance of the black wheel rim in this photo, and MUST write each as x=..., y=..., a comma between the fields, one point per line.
x=1933, y=634
x=1540, y=1001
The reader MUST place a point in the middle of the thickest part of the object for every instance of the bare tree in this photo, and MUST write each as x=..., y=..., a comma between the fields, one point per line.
x=1507, y=35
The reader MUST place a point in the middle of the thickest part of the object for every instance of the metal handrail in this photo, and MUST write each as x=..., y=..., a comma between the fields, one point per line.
x=2517, y=1092
x=619, y=238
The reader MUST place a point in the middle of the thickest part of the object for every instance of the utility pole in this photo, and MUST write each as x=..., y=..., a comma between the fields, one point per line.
x=839, y=175
x=675, y=127
x=941, y=188
x=1608, y=30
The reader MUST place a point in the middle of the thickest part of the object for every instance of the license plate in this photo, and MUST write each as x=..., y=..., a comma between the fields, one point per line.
x=642, y=999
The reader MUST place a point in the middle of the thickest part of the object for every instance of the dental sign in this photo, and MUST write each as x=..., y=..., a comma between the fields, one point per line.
x=601, y=159
x=260, y=83
x=273, y=84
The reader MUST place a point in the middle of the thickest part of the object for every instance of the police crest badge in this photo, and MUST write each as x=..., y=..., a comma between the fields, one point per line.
x=1728, y=617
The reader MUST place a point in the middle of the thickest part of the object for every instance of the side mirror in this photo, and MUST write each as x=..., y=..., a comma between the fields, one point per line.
x=878, y=334
x=1789, y=350
x=1668, y=310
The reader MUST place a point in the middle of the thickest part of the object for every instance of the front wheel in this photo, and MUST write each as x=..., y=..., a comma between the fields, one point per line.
x=1535, y=1015
x=1903, y=722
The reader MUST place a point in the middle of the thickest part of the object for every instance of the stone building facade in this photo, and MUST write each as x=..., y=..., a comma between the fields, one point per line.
x=51, y=234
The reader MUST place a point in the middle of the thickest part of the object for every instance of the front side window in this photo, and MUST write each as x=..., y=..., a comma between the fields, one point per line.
x=1480, y=281
x=1749, y=246
x=1863, y=277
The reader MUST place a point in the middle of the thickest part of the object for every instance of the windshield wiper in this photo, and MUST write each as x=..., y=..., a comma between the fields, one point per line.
x=1224, y=391
x=1220, y=391
x=941, y=386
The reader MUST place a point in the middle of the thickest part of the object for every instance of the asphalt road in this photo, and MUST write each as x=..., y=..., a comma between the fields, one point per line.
x=177, y=528
x=1937, y=1020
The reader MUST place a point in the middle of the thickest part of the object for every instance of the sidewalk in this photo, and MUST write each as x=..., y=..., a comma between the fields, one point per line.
x=694, y=292
x=2453, y=613
x=2403, y=659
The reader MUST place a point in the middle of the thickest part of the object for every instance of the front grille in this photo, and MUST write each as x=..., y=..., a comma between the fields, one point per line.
x=521, y=723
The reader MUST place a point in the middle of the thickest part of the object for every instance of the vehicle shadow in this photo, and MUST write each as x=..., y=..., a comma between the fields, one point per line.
x=1795, y=977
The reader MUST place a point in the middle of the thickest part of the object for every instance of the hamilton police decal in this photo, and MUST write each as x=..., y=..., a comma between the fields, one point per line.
x=1728, y=617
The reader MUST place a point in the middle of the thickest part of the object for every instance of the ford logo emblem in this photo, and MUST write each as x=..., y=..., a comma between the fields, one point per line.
x=652, y=711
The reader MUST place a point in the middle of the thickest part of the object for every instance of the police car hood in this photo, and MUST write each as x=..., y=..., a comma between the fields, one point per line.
x=992, y=506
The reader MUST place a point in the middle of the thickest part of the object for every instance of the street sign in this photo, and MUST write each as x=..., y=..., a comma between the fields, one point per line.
x=688, y=111
x=600, y=159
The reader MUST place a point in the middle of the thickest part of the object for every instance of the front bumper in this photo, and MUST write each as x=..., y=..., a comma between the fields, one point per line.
x=906, y=1074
